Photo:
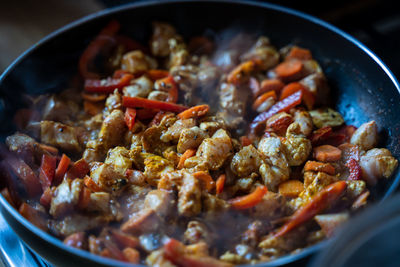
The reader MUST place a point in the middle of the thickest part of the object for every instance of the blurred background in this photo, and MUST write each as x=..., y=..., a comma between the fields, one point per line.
x=376, y=23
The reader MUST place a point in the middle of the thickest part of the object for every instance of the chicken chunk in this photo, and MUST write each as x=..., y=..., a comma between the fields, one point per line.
x=161, y=201
x=187, y=80
x=263, y=51
x=155, y=166
x=190, y=138
x=304, y=120
x=145, y=220
x=377, y=163
x=215, y=150
x=326, y=117
x=317, y=84
x=189, y=196
x=272, y=206
x=366, y=136
x=119, y=158
x=136, y=61
x=112, y=130
x=113, y=102
x=297, y=150
x=173, y=133
x=162, y=34
x=140, y=87
x=196, y=232
x=246, y=161
x=275, y=168
x=60, y=135
x=66, y=196
x=107, y=178
x=78, y=223
x=233, y=102
x=151, y=140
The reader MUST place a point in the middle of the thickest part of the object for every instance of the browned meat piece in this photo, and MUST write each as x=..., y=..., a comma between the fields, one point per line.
x=151, y=140
x=62, y=136
x=77, y=223
x=196, y=232
x=66, y=196
x=376, y=164
x=189, y=201
x=187, y=80
x=214, y=206
x=253, y=233
x=94, y=151
x=140, y=87
x=77, y=240
x=216, y=150
x=136, y=61
x=107, y=178
x=173, y=133
x=272, y=246
x=158, y=95
x=233, y=102
x=366, y=136
x=132, y=199
x=330, y=222
x=272, y=206
x=160, y=201
x=59, y=110
x=155, y=166
x=162, y=34
x=190, y=138
x=246, y=161
x=263, y=51
x=297, y=150
x=113, y=129
x=119, y=157
x=113, y=102
x=26, y=148
x=142, y=221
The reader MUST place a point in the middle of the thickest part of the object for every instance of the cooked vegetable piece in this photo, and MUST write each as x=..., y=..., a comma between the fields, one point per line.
x=188, y=153
x=319, y=167
x=250, y=200
x=319, y=202
x=107, y=86
x=289, y=70
x=354, y=169
x=291, y=188
x=47, y=171
x=130, y=115
x=137, y=102
x=194, y=112
x=220, y=183
x=327, y=153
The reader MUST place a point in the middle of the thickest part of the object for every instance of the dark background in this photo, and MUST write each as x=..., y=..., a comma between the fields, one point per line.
x=376, y=23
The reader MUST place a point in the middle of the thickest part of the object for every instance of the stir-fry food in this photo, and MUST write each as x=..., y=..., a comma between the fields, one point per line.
x=191, y=154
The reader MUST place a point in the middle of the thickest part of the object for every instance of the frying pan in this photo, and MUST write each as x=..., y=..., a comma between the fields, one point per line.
x=363, y=88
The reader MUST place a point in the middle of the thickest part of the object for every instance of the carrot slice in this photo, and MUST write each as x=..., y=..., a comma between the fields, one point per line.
x=240, y=74
x=289, y=70
x=319, y=202
x=188, y=154
x=220, y=183
x=124, y=240
x=132, y=255
x=320, y=135
x=194, y=112
x=61, y=169
x=250, y=200
x=206, y=179
x=47, y=171
x=316, y=166
x=88, y=181
x=291, y=188
x=46, y=197
x=299, y=53
x=271, y=85
x=327, y=153
x=33, y=215
x=263, y=98
x=290, y=89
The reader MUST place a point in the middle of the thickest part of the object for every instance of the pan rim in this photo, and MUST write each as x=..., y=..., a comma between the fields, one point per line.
x=106, y=12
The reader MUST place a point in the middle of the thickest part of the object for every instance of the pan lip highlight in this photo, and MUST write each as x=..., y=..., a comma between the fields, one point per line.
x=115, y=10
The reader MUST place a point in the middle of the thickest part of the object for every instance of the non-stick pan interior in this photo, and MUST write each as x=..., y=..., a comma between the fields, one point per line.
x=362, y=88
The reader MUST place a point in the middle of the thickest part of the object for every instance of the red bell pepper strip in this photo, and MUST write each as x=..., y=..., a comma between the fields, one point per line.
x=175, y=252
x=93, y=49
x=146, y=113
x=46, y=197
x=138, y=102
x=124, y=240
x=250, y=200
x=84, y=198
x=78, y=170
x=88, y=181
x=130, y=116
x=319, y=202
x=61, y=169
x=47, y=171
x=320, y=135
x=354, y=169
x=289, y=102
x=107, y=86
